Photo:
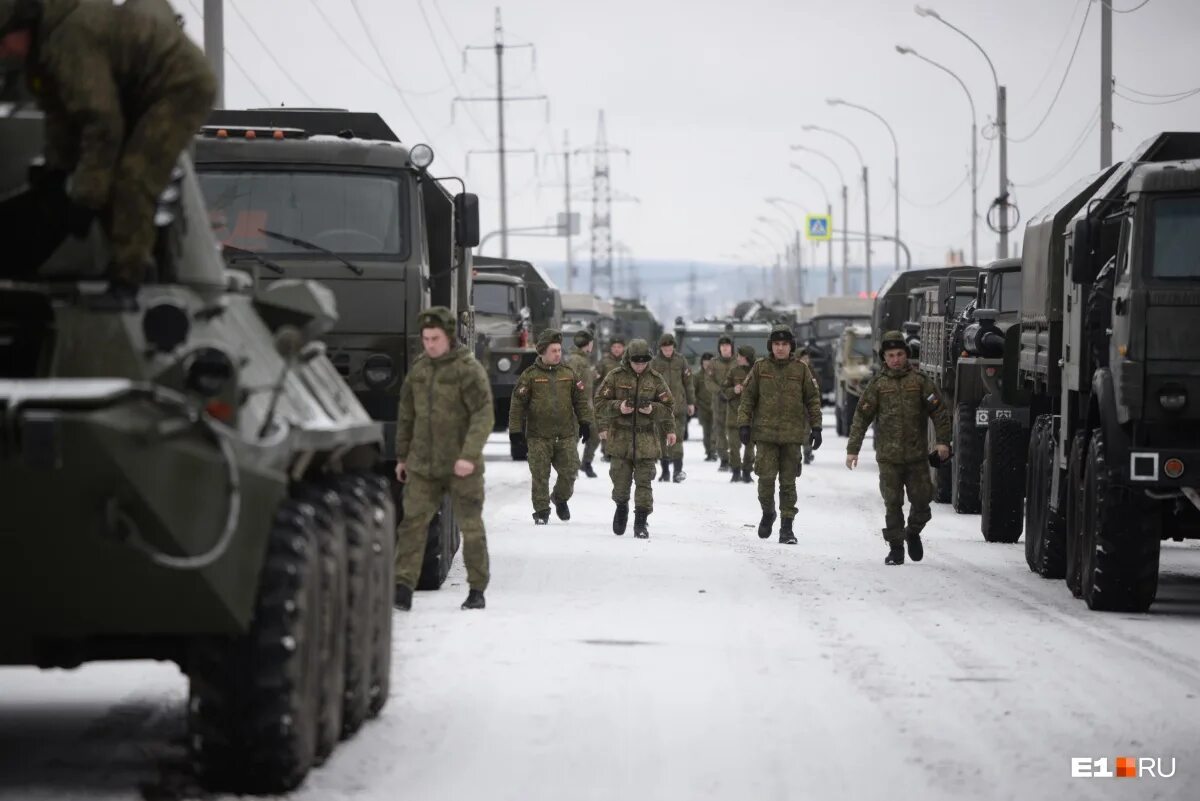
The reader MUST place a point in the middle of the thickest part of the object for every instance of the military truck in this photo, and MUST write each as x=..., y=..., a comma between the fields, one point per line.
x=503, y=338
x=854, y=360
x=831, y=316
x=333, y=196
x=636, y=321
x=891, y=308
x=544, y=299
x=1107, y=360
x=694, y=339
x=584, y=311
x=188, y=480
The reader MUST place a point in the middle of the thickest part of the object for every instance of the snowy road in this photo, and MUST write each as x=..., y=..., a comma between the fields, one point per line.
x=703, y=664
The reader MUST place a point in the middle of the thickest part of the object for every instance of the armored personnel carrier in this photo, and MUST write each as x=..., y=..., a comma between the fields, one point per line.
x=190, y=480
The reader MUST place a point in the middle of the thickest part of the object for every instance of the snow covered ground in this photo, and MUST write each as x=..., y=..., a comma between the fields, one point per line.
x=703, y=664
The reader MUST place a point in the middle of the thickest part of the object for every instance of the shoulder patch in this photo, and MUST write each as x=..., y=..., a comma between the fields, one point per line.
x=579, y=385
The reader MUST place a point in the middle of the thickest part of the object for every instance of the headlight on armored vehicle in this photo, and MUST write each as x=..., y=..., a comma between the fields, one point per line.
x=504, y=364
x=378, y=371
x=1172, y=397
x=208, y=371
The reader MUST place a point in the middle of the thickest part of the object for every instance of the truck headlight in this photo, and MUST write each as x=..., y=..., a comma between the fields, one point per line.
x=505, y=364
x=209, y=370
x=1172, y=397
x=378, y=371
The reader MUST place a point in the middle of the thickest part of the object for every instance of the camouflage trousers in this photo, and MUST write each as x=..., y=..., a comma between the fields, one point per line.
x=624, y=472
x=720, y=428
x=150, y=151
x=593, y=442
x=559, y=453
x=673, y=452
x=422, y=499
x=706, y=425
x=740, y=456
x=894, y=479
x=785, y=461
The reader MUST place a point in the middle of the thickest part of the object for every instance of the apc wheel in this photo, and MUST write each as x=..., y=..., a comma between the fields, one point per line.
x=1074, y=519
x=439, y=549
x=968, y=458
x=361, y=600
x=1120, y=560
x=381, y=581
x=253, y=707
x=1002, y=481
x=1051, y=556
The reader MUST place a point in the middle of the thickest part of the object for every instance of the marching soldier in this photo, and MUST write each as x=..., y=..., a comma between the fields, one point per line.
x=611, y=361
x=549, y=410
x=805, y=355
x=704, y=405
x=780, y=411
x=901, y=400
x=720, y=368
x=636, y=415
x=735, y=384
x=673, y=367
x=580, y=361
x=444, y=418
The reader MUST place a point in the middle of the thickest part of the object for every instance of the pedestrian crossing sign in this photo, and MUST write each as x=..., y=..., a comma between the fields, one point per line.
x=820, y=227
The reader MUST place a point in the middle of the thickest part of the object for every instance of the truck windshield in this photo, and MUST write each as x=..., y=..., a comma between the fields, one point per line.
x=1177, y=238
x=494, y=298
x=832, y=327
x=351, y=213
x=862, y=347
x=1010, y=292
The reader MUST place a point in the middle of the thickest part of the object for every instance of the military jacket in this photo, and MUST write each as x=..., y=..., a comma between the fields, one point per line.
x=737, y=375
x=635, y=436
x=700, y=385
x=902, y=401
x=678, y=375
x=719, y=368
x=445, y=414
x=607, y=365
x=585, y=371
x=780, y=402
x=549, y=401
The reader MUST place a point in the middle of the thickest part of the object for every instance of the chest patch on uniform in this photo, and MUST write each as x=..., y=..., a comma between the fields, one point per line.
x=541, y=380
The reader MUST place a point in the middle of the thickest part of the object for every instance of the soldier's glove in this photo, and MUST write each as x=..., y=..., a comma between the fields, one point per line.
x=517, y=438
x=585, y=432
x=815, y=438
x=744, y=435
x=935, y=460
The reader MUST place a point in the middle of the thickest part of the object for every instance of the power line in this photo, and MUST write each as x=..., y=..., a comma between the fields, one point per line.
x=446, y=67
x=391, y=79
x=1185, y=93
x=966, y=179
x=1187, y=96
x=1072, y=152
x=1062, y=83
x=245, y=73
x=1057, y=49
x=1142, y=4
x=269, y=54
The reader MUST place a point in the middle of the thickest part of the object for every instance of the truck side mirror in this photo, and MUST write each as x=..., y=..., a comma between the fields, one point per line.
x=1082, y=269
x=466, y=220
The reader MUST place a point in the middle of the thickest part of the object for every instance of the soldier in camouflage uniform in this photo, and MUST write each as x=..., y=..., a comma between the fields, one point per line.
x=902, y=401
x=721, y=366
x=610, y=361
x=636, y=415
x=580, y=361
x=805, y=355
x=735, y=381
x=444, y=418
x=704, y=404
x=673, y=367
x=124, y=91
x=550, y=409
x=779, y=412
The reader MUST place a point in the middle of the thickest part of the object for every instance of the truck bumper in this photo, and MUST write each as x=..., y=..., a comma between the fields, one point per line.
x=1161, y=468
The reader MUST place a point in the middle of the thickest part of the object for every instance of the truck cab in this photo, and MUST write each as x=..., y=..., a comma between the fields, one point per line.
x=503, y=335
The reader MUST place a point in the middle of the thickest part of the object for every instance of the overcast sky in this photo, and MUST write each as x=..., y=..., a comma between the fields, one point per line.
x=709, y=95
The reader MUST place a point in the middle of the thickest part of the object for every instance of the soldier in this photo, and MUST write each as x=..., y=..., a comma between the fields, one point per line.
x=735, y=385
x=124, y=91
x=444, y=419
x=720, y=368
x=673, y=367
x=636, y=414
x=779, y=412
x=805, y=355
x=704, y=404
x=901, y=400
x=580, y=361
x=550, y=408
x=611, y=361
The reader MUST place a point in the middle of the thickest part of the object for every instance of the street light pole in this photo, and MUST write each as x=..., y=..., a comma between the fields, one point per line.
x=845, y=214
x=829, y=214
x=974, y=148
x=775, y=201
x=833, y=101
x=866, y=193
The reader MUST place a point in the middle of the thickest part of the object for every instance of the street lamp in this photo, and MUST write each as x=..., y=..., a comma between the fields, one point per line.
x=845, y=211
x=908, y=51
x=1001, y=124
x=829, y=214
x=834, y=101
x=797, y=257
x=866, y=191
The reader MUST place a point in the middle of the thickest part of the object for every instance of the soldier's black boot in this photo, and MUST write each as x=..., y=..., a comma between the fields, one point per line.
x=586, y=467
x=665, y=475
x=679, y=474
x=746, y=477
x=786, y=537
x=640, y=529
x=402, y=600
x=764, y=525
x=474, y=600
x=620, y=518
x=916, y=550
x=561, y=509
x=541, y=518
x=895, y=555
x=724, y=466
x=737, y=475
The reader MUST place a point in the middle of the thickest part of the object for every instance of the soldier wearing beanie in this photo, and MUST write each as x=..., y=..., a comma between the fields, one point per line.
x=673, y=367
x=580, y=361
x=721, y=365
x=741, y=461
x=611, y=361
x=704, y=404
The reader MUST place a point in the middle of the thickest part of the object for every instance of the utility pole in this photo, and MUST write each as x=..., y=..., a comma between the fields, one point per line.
x=602, y=199
x=1002, y=126
x=499, y=47
x=566, y=157
x=214, y=45
x=1106, y=85
x=845, y=240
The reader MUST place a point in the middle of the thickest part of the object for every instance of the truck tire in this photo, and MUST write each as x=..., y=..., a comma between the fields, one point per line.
x=1052, y=556
x=241, y=688
x=1120, y=560
x=941, y=477
x=968, y=458
x=440, y=548
x=1033, y=507
x=361, y=599
x=1074, y=518
x=1002, y=481
x=382, y=581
